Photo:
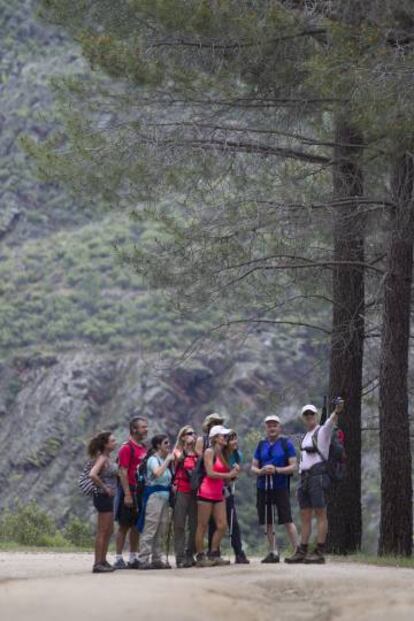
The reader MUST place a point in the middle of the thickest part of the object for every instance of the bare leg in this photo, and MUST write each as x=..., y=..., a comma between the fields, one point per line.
x=101, y=537
x=133, y=539
x=322, y=525
x=220, y=518
x=108, y=529
x=120, y=538
x=271, y=538
x=204, y=512
x=292, y=534
x=306, y=525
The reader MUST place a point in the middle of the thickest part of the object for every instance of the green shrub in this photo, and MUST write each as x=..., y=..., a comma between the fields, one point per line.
x=28, y=525
x=79, y=533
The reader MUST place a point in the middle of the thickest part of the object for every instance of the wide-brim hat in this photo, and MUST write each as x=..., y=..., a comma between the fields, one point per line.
x=214, y=418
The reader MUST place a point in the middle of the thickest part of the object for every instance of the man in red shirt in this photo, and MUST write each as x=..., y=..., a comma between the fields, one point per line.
x=130, y=456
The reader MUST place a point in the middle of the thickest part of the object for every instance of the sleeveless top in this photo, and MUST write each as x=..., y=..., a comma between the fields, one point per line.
x=213, y=489
x=182, y=478
x=108, y=475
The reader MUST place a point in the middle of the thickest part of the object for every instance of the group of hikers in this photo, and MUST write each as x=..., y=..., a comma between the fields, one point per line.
x=151, y=490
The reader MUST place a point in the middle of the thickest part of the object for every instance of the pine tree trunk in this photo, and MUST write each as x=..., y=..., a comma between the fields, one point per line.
x=346, y=362
x=396, y=528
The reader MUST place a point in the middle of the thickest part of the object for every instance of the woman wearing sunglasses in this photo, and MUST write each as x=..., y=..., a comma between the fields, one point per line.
x=185, y=508
x=153, y=522
x=210, y=497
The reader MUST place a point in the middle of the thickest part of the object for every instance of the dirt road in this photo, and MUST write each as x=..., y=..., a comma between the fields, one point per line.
x=60, y=587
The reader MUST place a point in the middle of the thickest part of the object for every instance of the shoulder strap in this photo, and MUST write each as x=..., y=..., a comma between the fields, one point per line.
x=259, y=450
x=315, y=444
x=285, y=446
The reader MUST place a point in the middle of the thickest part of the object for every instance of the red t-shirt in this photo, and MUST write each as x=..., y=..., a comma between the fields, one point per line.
x=182, y=480
x=130, y=456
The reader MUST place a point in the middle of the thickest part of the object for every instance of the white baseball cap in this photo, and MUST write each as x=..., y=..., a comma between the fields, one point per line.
x=308, y=408
x=272, y=419
x=218, y=430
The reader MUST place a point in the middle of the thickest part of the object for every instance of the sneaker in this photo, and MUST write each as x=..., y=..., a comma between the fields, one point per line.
x=160, y=565
x=135, y=564
x=119, y=564
x=316, y=557
x=100, y=568
x=272, y=557
x=241, y=559
x=108, y=565
x=298, y=556
x=203, y=561
x=146, y=565
x=217, y=560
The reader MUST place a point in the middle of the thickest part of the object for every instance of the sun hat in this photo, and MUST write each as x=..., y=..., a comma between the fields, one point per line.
x=218, y=430
x=308, y=408
x=215, y=417
x=272, y=418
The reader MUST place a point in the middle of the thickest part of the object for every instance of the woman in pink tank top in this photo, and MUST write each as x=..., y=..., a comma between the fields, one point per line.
x=210, y=497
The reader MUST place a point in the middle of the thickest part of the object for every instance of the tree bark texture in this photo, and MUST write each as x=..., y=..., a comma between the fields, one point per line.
x=396, y=526
x=346, y=362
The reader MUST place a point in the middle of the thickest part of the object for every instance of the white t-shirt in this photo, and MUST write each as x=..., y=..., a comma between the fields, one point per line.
x=307, y=460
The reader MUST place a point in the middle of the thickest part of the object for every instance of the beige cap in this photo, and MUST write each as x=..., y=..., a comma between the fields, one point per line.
x=308, y=408
x=218, y=430
x=272, y=418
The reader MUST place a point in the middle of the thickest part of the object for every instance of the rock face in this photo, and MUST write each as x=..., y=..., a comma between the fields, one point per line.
x=53, y=403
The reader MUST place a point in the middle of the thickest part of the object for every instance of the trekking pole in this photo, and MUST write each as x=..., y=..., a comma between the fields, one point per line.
x=272, y=514
x=232, y=492
x=266, y=498
x=170, y=523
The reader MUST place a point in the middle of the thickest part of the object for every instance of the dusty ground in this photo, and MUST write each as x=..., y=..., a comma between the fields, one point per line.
x=60, y=587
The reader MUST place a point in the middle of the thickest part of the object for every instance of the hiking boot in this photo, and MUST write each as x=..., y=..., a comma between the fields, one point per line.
x=217, y=560
x=119, y=564
x=316, y=557
x=299, y=555
x=108, y=565
x=203, y=561
x=241, y=559
x=135, y=564
x=272, y=557
x=160, y=565
x=100, y=568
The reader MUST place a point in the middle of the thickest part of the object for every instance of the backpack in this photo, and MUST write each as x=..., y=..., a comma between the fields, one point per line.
x=85, y=483
x=336, y=462
x=197, y=475
x=285, y=446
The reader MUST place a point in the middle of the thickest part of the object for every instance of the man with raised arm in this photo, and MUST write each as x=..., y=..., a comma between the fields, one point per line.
x=314, y=482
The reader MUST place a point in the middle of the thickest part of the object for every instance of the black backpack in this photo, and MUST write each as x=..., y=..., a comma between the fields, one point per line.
x=336, y=462
x=285, y=446
x=197, y=475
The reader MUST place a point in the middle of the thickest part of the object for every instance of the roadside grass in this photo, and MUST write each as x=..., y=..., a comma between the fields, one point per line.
x=379, y=561
x=13, y=546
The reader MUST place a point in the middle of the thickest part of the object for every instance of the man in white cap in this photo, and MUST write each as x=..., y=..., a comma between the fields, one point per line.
x=314, y=481
x=273, y=463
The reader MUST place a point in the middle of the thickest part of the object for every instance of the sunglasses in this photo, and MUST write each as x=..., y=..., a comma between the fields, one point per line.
x=166, y=443
x=190, y=433
x=306, y=414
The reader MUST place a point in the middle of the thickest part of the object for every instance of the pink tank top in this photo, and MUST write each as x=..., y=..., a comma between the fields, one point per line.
x=212, y=489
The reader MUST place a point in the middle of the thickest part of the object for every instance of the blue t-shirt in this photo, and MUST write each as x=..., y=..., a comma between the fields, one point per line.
x=275, y=455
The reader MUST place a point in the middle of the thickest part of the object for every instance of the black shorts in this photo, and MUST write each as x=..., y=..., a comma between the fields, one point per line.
x=126, y=516
x=103, y=503
x=267, y=500
x=312, y=491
